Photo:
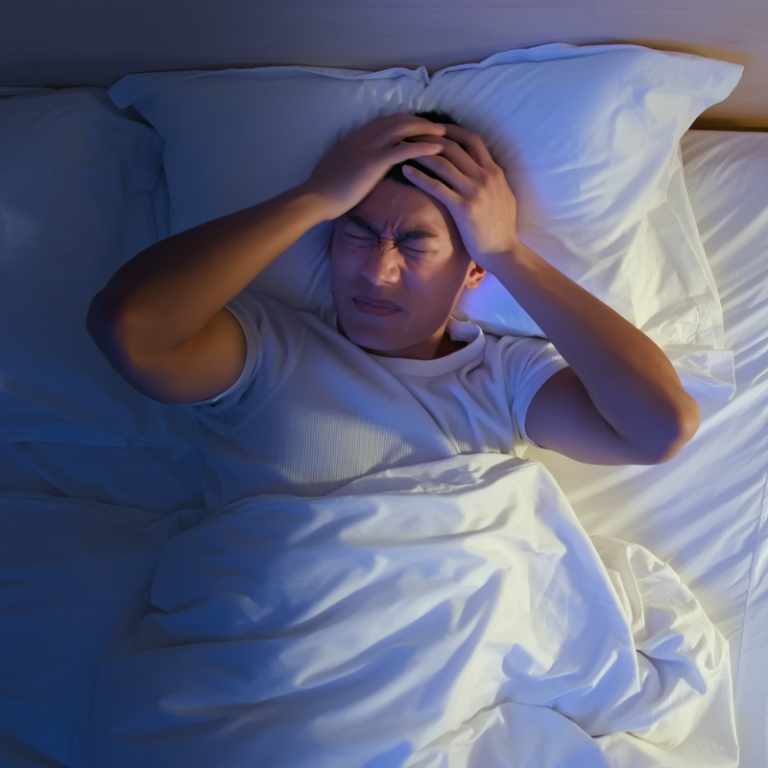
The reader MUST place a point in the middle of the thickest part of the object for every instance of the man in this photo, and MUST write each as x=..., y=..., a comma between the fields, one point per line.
x=288, y=402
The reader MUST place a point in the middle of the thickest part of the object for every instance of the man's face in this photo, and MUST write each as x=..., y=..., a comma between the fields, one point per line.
x=423, y=276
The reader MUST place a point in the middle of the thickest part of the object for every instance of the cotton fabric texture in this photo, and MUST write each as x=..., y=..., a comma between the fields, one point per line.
x=313, y=411
x=451, y=613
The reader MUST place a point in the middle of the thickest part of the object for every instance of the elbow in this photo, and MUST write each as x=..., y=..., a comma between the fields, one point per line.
x=101, y=322
x=96, y=321
x=104, y=324
x=685, y=426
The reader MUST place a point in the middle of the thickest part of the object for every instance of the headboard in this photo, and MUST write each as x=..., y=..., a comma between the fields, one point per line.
x=92, y=42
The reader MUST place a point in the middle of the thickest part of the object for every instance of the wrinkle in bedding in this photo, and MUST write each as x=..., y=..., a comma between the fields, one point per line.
x=418, y=619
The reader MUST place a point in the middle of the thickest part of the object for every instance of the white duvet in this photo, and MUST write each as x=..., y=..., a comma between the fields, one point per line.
x=452, y=613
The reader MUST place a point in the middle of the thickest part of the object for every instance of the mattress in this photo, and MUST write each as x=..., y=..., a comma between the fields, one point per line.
x=704, y=512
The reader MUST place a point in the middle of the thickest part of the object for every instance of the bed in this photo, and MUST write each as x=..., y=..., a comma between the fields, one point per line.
x=114, y=561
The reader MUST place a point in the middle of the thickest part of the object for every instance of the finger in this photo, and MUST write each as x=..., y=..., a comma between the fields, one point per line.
x=449, y=174
x=413, y=150
x=413, y=126
x=464, y=162
x=436, y=188
x=473, y=144
x=387, y=131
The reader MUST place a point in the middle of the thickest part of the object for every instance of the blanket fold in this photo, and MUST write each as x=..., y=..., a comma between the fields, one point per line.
x=452, y=613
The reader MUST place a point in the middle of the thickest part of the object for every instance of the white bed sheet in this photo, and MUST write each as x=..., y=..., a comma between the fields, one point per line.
x=704, y=512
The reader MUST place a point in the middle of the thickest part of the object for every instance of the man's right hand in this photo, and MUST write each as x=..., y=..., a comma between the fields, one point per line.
x=348, y=173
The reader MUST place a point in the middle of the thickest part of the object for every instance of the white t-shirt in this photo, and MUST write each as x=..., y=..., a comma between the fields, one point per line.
x=312, y=411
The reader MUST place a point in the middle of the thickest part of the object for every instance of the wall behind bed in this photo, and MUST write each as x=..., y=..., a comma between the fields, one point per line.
x=51, y=43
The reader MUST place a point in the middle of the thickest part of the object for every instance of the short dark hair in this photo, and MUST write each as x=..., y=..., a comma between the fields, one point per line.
x=396, y=171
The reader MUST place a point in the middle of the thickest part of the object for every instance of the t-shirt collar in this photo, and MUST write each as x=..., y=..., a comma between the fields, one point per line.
x=458, y=330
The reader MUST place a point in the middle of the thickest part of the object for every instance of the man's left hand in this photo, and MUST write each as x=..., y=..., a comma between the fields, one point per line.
x=481, y=202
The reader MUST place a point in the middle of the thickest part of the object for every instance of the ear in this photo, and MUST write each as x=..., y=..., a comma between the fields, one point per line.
x=475, y=277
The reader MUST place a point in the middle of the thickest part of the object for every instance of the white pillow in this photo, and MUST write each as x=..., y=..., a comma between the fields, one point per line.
x=588, y=137
x=82, y=193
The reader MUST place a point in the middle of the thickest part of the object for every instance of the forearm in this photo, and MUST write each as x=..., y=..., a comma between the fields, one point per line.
x=629, y=379
x=170, y=291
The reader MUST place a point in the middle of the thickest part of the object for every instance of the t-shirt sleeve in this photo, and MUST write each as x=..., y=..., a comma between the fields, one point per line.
x=253, y=340
x=530, y=361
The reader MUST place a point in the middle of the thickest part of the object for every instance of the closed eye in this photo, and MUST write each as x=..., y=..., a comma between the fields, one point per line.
x=368, y=240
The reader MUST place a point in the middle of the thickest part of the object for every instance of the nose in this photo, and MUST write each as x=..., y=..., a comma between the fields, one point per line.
x=382, y=262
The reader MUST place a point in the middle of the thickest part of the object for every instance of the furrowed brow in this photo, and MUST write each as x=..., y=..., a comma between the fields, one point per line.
x=412, y=234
